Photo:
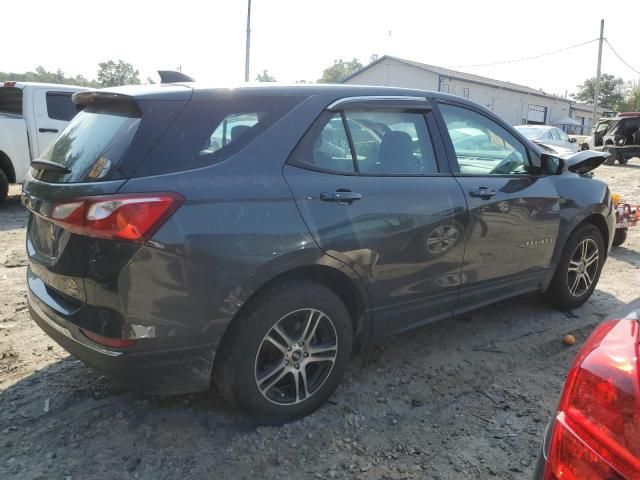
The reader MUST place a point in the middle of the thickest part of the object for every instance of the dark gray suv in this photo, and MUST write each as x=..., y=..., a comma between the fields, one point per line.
x=255, y=236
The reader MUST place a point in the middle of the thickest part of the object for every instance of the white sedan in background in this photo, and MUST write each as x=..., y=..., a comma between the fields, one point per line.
x=548, y=135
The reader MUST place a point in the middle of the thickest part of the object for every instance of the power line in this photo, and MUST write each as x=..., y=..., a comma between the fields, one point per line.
x=620, y=58
x=532, y=57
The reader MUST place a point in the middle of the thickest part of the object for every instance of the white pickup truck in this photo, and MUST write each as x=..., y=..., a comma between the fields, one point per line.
x=31, y=116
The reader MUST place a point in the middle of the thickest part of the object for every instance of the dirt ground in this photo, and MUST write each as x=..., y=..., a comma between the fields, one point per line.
x=461, y=399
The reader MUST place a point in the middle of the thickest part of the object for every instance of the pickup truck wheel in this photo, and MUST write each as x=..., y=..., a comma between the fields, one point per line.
x=285, y=356
x=4, y=187
x=579, y=269
x=620, y=237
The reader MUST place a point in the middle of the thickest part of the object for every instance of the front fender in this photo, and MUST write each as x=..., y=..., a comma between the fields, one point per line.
x=581, y=198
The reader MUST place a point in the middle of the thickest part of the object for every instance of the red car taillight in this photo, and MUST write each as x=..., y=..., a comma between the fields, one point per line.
x=596, y=434
x=117, y=217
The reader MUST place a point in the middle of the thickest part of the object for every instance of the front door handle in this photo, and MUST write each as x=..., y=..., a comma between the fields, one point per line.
x=340, y=197
x=48, y=130
x=483, y=192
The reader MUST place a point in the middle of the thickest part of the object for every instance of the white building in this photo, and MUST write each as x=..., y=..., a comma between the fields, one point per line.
x=517, y=104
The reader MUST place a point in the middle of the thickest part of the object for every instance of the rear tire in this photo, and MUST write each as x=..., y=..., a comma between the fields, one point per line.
x=620, y=237
x=4, y=187
x=579, y=269
x=276, y=338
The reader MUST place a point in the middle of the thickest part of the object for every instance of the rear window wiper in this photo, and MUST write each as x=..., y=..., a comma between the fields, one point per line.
x=40, y=164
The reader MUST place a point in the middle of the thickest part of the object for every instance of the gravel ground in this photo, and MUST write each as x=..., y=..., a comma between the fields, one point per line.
x=461, y=399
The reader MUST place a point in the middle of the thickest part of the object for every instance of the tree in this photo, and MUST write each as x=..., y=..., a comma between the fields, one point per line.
x=611, y=92
x=340, y=70
x=112, y=74
x=265, y=77
x=631, y=98
x=40, y=74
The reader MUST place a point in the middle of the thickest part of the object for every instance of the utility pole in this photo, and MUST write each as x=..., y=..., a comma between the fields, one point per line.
x=597, y=86
x=246, y=57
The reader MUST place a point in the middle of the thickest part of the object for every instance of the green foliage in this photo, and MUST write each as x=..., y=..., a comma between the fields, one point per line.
x=112, y=74
x=611, y=95
x=631, y=98
x=43, y=76
x=265, y=77
x=340, y=70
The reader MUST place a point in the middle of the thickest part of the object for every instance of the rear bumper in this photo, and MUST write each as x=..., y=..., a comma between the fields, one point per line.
x=165, y=371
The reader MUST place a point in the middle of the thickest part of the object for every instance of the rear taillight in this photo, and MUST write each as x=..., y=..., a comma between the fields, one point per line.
x=596, y=434
x=117, y=217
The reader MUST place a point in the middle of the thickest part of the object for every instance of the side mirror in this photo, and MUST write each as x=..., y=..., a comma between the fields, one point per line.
x=572, y=140
x=551, y=164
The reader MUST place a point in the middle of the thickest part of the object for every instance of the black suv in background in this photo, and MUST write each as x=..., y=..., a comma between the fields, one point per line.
x=256, y=236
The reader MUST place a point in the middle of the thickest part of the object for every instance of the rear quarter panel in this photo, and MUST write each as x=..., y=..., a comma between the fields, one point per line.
x=238, y=228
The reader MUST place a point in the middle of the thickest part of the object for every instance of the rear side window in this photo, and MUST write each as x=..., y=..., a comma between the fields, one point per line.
x=211, y=130
x=93, y=143
x=60, y=106
x=11, y=100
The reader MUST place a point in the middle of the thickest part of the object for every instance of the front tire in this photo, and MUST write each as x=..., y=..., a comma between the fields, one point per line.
x=579, y=268
x=285, y=356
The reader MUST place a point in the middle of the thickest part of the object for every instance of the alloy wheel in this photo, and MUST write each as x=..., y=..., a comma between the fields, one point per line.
x=296, y=356
x=583, y=267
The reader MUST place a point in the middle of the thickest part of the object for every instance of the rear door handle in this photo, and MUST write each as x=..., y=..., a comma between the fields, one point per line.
x=482, y=192
x=340, y=197
x=48, y=130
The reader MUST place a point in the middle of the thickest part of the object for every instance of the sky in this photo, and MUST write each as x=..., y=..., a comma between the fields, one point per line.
x=296, y=39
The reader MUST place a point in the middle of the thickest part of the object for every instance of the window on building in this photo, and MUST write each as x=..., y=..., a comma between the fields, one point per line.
x=465, y=92
x=444, y=88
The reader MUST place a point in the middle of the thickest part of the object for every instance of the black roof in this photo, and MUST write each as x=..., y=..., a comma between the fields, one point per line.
x=179, y=91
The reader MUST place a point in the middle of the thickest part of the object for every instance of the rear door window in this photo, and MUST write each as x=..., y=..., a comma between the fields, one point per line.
x=389, y=142
x=368, y=142
x=326, y=146
x=11, y=100
x=60, y=106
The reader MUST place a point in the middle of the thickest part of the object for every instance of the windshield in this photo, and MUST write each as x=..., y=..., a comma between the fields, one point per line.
x=530, y=132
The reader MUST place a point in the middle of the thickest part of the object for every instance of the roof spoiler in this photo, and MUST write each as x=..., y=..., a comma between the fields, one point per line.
x=170, y=76
x=89, y=96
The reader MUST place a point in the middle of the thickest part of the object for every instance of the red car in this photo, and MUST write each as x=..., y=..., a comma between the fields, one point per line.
x=596, y=431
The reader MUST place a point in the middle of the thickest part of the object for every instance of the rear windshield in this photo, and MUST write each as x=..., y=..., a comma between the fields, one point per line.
x=211, y=130
x=93, y=143
x=11, y=100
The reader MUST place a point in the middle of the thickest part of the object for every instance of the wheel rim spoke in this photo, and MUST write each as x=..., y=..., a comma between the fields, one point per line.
x=320, y=353
x=276, y=343
x=312, y=324
x=271, y=379
x=573, y=288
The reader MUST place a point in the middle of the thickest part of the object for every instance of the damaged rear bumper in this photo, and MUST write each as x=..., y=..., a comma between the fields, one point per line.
x=155, y=371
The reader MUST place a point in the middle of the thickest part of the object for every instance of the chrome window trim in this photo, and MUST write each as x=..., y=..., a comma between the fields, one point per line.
x=347, y=100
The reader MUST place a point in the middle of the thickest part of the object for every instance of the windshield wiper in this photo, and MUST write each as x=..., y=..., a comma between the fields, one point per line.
x=40, y=164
